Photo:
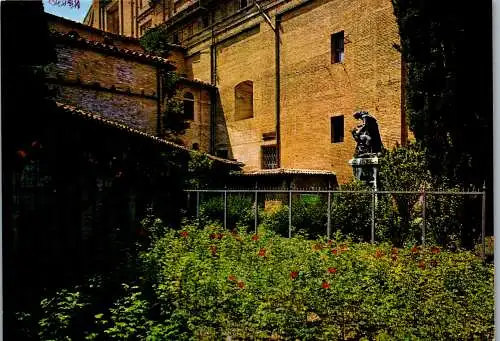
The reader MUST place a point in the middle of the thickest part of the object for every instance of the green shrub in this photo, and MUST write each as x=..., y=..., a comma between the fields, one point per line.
x=240, y=210
x=208, y=284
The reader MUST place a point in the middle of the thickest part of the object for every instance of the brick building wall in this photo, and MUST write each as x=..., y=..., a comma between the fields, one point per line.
x=114, y=87
x=369, y=78
x=118, y=85
x=313, y=88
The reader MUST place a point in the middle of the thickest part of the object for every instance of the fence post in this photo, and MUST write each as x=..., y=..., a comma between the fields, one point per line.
x=197, y=204
x=373, y=217
x=289, y=213
x=255, y=209
x=483, y=222
x=328, y=221
x=423, y=217
x=225, y=207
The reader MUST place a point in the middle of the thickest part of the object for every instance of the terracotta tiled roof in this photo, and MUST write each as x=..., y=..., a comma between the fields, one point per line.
x=55, y=18
x=92, y=116
x=286, y=171
x=96, y=45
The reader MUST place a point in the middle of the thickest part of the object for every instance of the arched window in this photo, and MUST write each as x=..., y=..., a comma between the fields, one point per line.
x=189, y=106
x=243, y=99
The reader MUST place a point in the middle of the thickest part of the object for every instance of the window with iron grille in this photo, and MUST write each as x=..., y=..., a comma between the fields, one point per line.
x=337, y=47
x=337, y=128
x=269, y=157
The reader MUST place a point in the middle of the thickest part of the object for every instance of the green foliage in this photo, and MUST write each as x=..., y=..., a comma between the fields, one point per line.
x=209, y=284
x=174, y=123
x=154, y=40
x=240, y=211
x=448, y=103
x=400, y=215
x=351, y=212
x=58, y=313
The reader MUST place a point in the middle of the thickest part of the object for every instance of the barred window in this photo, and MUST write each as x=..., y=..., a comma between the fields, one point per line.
x=269, y=157
x=337, y=41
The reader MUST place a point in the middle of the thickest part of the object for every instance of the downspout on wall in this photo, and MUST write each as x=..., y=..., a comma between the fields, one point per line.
x=277, y=53
x=213, y=94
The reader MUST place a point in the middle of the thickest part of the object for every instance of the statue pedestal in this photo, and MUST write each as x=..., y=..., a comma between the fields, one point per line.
x=366, y=168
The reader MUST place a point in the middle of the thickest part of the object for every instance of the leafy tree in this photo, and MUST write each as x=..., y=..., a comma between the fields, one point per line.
x=155, y=41
x=448, y=85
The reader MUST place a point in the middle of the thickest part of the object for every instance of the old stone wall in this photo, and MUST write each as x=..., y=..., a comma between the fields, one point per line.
x=117, y=88
x=122, y=89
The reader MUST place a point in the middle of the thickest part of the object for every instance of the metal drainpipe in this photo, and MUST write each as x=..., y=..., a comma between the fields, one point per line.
x=121, y=25
x=277, y=92
x=132, y=31
x=213, y=92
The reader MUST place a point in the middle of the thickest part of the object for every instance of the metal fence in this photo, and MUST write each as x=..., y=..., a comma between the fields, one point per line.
x=197, y=197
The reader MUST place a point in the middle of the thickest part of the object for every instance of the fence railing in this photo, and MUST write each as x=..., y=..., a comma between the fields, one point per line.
x=286, y=198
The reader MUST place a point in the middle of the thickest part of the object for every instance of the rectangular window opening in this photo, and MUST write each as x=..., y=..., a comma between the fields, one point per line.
x=337, y=129
x=337, y=41
x=269, y=157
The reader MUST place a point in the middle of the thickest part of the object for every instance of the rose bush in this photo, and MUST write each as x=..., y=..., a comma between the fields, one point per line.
x=210, y=283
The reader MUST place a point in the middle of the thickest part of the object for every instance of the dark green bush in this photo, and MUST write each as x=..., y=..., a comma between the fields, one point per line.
x=209, y=284
x=240, y=210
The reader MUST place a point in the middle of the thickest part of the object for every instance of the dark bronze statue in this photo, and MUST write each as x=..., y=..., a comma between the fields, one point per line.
x=366, y=135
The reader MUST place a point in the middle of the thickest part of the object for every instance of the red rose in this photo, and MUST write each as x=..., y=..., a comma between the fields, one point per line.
x=21, y=153
x=394, y=251
x=332, y=270
x=262, y=252
x=213, y=236
x=231, y=278
x=435, y=250
x=379, y=254
x=255, y=237
x=325, y=285
x=294, y=274
x=414, y=249
x=241, y=284
x=184, y=234
x=421, y=265
x=213, y=249
x=334, y=251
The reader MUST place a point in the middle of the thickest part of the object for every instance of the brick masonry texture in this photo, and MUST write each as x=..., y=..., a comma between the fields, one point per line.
x=312, y=88
x=118, y=88
x=104, y=72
